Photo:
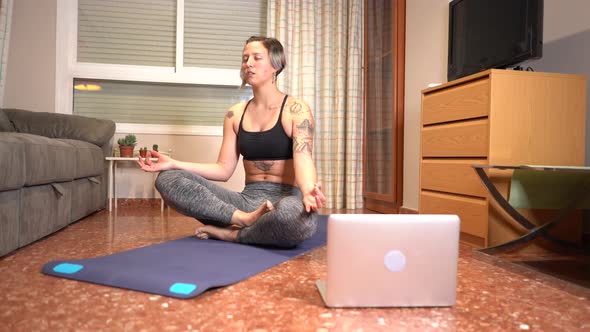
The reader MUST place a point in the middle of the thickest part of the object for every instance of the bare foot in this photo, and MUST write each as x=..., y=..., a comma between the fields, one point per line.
x=245, y=219
x=211, y=232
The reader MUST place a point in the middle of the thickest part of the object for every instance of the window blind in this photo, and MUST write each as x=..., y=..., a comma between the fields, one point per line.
x=215, y=31
x=143, y=32
x=156, y=103
x=130, y=32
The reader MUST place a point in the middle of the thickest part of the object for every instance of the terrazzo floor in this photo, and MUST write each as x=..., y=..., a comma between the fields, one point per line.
x=490, y=296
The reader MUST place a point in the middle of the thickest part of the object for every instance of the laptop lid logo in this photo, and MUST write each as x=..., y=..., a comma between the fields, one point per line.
x=395, y=261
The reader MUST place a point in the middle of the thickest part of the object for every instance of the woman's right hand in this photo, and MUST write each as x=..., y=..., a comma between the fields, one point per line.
x=164, y=162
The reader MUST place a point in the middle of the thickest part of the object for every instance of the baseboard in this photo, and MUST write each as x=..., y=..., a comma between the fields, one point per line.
x=405, y=210
x=138, y=202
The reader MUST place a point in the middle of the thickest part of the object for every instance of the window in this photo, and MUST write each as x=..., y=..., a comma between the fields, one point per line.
x=151, y=103
x=137, y=32
x=206, y=23
x=169, y=63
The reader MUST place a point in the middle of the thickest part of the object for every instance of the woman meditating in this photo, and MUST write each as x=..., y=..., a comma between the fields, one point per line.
x=274, y=134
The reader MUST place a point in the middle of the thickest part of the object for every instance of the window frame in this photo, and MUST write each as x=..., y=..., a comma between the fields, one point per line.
x=68, y=69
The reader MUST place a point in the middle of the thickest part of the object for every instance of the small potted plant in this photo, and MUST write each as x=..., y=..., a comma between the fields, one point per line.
x=126, y=145
x=143, y=152
x=155, y=148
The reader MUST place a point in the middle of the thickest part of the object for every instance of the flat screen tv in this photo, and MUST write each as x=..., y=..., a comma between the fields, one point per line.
x=485, y=34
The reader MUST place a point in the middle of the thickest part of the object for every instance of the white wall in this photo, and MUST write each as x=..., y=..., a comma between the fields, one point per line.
x=426, y=62
x=563, y=18
x=30, y=74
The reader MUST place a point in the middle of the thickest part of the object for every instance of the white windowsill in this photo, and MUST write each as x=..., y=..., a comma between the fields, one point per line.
x=180, y=75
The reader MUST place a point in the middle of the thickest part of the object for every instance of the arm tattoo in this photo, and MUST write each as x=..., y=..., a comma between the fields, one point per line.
x=264, y=166
x=303, y=145
x=304, y=140
x=305, y=128
x=296, y=108
x=230, y=114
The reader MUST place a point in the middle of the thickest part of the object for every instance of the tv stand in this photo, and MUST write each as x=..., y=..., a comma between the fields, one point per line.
x=496, y=117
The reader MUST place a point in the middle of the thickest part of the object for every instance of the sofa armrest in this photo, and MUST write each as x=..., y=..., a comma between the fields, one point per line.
x=56, y=125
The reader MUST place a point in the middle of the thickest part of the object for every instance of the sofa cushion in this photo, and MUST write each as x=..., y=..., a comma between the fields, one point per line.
x=47, y=160
x=55, y=125
x=89, y=158
x=12, y=162
x=5, y=124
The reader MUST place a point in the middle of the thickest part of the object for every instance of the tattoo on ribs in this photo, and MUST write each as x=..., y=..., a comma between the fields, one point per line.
x=264, y=166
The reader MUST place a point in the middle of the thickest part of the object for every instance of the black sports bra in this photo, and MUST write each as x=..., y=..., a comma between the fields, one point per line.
x=272, y=144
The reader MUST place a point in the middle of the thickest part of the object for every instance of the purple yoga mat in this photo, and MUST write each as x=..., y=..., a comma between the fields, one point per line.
x=182, y=268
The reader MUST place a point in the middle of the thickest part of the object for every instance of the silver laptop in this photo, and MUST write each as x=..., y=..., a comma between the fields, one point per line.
x=391, y=260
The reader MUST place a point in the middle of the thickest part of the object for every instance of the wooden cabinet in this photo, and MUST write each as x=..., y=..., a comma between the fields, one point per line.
x=496, y=117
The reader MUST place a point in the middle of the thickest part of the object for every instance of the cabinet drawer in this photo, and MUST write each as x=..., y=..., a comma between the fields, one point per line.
x=453, y=176
x=457, y=103
x=472, y=211
x=463, y=139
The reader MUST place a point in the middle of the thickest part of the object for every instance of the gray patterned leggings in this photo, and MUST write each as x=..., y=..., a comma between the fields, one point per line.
x=286, y=226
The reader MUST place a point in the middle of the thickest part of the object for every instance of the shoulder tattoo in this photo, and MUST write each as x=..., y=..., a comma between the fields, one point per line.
x=296, y=108
x=230, y=114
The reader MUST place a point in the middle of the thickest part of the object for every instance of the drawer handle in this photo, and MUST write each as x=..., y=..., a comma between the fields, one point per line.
x=58, y=189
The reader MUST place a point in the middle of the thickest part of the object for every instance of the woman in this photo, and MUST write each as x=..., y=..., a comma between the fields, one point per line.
x=274, y=133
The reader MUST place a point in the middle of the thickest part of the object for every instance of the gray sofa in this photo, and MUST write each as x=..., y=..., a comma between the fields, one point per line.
x=52, y=172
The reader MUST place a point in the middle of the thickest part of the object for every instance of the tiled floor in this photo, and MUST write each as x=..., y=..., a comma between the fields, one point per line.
x=284, y=298
x=568, y=269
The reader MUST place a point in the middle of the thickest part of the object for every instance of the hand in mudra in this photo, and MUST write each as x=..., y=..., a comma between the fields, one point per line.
x=315, y=199
x=164, y=162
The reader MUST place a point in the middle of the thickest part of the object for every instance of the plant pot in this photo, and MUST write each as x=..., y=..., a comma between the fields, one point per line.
x=143, y=153
x=126, y=150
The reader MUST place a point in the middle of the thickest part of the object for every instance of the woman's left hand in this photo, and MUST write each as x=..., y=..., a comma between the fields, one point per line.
x=315, y=199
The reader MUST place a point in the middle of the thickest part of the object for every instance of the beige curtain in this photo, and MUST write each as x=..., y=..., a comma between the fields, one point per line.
x=5, y=22
x=323, y=44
